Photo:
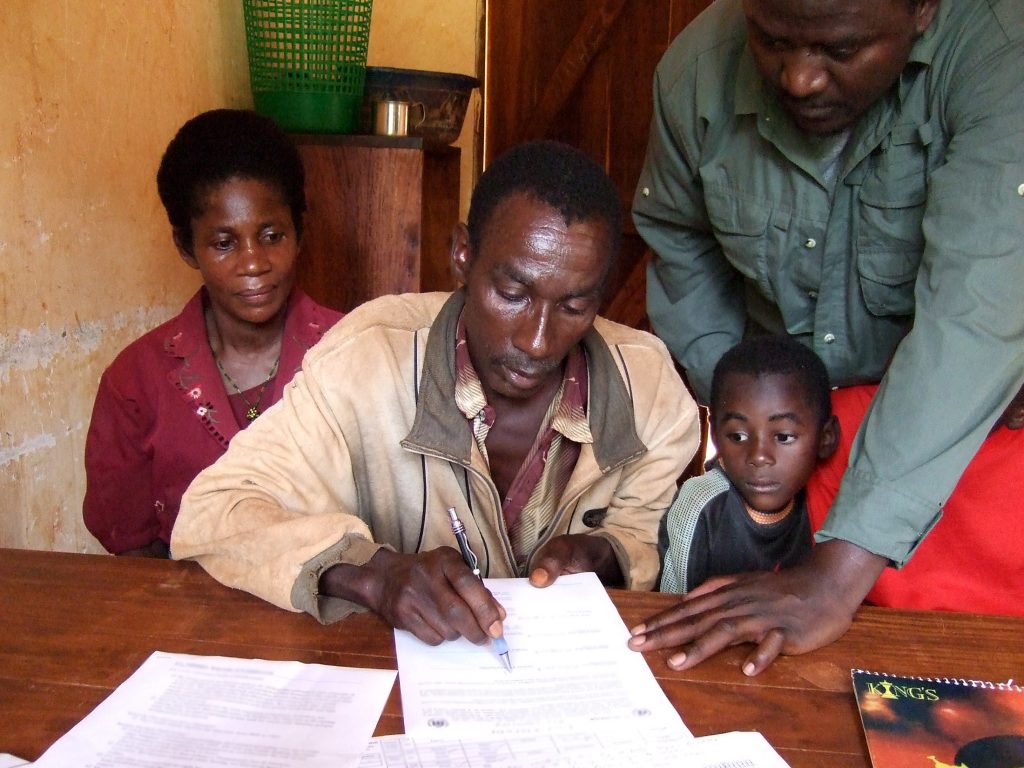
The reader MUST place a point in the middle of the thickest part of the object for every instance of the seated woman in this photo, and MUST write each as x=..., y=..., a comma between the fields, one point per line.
x=167, y=407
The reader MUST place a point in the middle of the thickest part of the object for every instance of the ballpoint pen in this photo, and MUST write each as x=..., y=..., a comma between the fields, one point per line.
x=500, y=646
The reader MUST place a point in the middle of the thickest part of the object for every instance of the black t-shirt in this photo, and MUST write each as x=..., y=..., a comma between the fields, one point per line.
x=723, y=539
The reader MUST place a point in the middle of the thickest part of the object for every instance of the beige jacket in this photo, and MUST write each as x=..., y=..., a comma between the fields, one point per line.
x=367, y=449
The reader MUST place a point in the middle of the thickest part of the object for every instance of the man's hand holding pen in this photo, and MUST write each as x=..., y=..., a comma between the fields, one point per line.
x=471, y=561
x=436, y=595
x=432, y=594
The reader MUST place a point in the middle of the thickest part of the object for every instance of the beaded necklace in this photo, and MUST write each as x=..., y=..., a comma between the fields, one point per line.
x=766, y=518
x=252, y=409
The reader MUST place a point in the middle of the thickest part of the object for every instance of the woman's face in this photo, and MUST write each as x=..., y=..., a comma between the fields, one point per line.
x=244, y=244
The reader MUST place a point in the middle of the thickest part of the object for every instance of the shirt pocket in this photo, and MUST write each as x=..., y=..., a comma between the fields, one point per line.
x=740, y=225
x=889, y=239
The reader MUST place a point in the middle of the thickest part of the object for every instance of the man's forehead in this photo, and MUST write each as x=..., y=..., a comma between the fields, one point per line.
x=526, y=206
x=529, y=242
x=828, y=19
x=526, y=216
x=536, y=273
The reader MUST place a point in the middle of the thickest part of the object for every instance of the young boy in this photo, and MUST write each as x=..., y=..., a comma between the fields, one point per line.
x=771, y=421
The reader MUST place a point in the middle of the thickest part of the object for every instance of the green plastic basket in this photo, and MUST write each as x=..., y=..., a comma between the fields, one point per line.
x=307, y=61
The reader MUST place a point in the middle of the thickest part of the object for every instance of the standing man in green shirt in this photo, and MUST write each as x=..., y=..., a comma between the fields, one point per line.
x=850, y=172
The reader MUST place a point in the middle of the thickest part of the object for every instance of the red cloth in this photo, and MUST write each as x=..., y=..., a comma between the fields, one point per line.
x=162, y=415
x=972, y=559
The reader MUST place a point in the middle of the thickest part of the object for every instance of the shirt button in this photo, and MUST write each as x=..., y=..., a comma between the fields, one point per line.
x=646, y=191
x=1020, y=190
x=828, y=338
x=810, y=242
x=812, y=294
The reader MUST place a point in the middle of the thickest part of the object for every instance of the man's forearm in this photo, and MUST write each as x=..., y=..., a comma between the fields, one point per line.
x=848, y=570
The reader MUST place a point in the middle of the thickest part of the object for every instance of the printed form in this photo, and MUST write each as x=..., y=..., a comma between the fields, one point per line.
x=571, y=671
x=205, y=711
x=597, y=749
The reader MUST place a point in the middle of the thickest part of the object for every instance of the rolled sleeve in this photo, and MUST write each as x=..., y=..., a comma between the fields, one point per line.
x=894, y=533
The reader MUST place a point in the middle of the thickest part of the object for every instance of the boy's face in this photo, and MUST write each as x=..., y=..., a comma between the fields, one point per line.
x=769, y=438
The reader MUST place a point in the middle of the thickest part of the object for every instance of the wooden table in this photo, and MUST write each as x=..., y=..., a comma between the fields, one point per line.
x=74, y=627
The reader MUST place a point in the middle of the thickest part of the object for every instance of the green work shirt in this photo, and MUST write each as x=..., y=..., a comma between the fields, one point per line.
x=909, y=268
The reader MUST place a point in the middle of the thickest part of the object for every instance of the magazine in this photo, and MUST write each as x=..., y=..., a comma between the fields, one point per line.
x=922, y=722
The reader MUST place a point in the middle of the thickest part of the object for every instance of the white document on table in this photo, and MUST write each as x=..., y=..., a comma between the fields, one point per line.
x=205, y=711
x=597, y=749
x=571, y=670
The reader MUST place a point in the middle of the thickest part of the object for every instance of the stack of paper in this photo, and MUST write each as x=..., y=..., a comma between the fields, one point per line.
x=576, y=696
x=571, y=670
x=594, y=749
x=206, y=711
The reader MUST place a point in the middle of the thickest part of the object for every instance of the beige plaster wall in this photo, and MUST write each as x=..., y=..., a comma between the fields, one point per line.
x=92, y=92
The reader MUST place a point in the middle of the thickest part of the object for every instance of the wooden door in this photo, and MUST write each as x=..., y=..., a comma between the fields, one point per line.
x=580, y=71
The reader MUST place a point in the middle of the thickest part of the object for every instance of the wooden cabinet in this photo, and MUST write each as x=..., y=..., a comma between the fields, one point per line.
x=380, y=216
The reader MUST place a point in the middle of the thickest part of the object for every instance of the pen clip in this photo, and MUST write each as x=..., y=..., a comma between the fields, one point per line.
x=468, y=556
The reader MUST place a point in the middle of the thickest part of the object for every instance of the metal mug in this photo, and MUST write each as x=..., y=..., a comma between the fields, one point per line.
x=391, y=117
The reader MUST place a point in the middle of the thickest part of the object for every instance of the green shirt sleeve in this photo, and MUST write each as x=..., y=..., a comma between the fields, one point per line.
x=963, y=360
x=694, y=296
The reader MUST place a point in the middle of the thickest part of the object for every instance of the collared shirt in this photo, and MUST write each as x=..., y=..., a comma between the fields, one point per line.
x=917, y=256
x=533, y=495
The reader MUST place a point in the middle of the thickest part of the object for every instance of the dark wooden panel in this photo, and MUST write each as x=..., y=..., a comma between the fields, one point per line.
x=379, y=215
x=440, y=215
x=607, y=114
x=525, y=41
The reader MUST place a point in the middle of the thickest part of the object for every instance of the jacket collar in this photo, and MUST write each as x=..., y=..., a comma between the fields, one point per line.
x=440, y=428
